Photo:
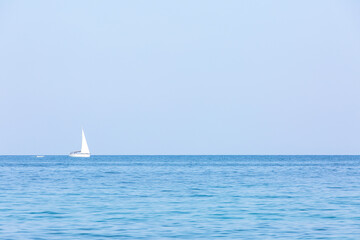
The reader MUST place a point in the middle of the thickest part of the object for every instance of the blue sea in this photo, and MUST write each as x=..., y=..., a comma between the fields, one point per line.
x=180, y=197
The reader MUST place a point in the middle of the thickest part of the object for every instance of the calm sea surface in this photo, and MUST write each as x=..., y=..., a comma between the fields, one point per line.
x=180, y=197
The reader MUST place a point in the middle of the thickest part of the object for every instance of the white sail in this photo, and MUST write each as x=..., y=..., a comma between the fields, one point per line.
x=84, y=146
x=84, y=152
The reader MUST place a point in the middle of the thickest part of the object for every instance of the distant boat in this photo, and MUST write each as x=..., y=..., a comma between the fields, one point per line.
x=39, y=156
x=84, y=152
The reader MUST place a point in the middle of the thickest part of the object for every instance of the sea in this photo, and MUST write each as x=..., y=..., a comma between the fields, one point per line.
x=180, y=197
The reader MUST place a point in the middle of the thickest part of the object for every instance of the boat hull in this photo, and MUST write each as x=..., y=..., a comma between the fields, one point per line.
x=82, y=155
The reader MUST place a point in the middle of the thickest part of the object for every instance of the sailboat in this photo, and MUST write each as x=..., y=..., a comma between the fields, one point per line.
x=84, y=152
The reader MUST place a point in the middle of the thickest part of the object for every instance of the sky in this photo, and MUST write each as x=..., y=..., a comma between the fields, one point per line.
x=180, y=77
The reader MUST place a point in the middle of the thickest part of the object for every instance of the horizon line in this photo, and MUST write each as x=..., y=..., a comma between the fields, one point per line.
x=186, y=154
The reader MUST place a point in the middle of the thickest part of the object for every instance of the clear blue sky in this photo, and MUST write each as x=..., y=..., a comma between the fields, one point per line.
x=180, y=77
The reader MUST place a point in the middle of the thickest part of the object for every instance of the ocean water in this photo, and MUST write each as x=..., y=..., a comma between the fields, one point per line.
x=180, y=197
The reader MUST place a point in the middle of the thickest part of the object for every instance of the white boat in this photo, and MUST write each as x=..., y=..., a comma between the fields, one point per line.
x=84, y=152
